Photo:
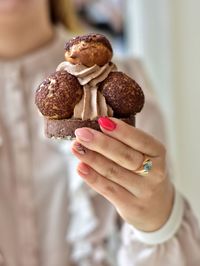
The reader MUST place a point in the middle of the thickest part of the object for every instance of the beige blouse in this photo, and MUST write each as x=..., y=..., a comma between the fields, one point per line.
x=48, y=217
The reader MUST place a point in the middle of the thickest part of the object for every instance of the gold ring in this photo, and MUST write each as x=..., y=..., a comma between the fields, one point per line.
x=145, y=168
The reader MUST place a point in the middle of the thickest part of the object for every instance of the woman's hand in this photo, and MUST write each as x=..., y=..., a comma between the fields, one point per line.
x=109, y=162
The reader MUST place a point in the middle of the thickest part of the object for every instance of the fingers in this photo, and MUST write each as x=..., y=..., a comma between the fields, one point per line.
x=111, y=148
x=113, y=192
x=110, y=170
x=108, y=164
x=125, y=145
x=131, y=136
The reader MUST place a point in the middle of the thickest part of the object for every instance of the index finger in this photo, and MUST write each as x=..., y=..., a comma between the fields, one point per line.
x=133, y=137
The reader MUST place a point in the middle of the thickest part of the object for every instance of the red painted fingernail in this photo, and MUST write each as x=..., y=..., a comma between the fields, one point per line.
x=106, y=123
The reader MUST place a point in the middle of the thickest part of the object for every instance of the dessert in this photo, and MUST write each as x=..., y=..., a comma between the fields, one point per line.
x=88, y=50
x=129, y=98
x=86, y=86
x=58, y=95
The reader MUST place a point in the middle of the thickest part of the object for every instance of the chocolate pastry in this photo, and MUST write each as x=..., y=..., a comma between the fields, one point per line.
x=88, y=50
x=86, y=86
x=58, y=94
x=123, y=94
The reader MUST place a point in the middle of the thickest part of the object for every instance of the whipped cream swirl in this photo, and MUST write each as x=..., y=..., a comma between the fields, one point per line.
x=93, y=103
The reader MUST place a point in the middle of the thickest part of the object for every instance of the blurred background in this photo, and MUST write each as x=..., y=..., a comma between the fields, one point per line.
x=165, y=35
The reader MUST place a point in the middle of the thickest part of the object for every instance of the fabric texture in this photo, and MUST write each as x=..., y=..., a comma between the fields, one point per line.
x=48, y=216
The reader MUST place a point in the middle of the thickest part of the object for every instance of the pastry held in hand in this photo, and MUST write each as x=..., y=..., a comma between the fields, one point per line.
x=88, y=50
x=123, y=94
x=86, y=86
x=57, y=95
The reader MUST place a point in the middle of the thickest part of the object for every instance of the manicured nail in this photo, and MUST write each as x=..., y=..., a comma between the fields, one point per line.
x=79, y=148
x=84, y=134
x=83, y=169
x=106, y=123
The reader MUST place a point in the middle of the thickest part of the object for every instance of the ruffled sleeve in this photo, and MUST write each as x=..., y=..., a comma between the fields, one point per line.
x=176, y=244
x=92, y=224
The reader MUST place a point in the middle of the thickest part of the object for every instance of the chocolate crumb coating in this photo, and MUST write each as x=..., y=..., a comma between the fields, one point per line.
x=89, y=50
x=58, y=94
x=123, y=94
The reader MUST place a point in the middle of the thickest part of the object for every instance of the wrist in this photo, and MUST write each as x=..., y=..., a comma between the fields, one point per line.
x=157, y=210
x=169, y=229
x=166, y=208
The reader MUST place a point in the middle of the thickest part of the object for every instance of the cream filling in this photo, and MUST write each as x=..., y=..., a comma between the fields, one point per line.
x=93, y=103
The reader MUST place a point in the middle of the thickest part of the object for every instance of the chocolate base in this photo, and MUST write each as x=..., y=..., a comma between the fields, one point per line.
x=65, y=128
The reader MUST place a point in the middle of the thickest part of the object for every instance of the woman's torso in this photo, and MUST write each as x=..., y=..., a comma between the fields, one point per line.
x=34, y=173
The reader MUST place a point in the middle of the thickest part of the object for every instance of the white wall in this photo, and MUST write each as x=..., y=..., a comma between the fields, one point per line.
x=149, y=37
x=167, y=37
x=186, y=36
